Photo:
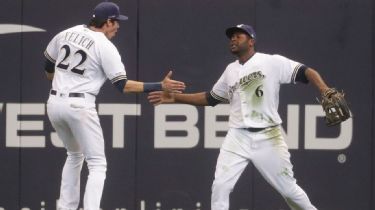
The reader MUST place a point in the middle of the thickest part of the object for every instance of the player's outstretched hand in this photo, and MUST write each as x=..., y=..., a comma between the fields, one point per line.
x=173, y=86
x=160, y=97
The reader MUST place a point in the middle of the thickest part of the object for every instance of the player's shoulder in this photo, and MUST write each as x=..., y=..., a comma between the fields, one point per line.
x=278, y=56
x=265, y=56
x=272, y=57
x=105, y=42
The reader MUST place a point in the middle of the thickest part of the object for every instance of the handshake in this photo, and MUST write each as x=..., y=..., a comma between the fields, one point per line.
x=170, y=88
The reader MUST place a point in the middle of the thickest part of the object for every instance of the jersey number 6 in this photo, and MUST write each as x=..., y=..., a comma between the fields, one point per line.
x=259, y=91
x=64, y=63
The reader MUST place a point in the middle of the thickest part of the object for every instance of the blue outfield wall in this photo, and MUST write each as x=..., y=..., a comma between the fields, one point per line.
x=164, y=157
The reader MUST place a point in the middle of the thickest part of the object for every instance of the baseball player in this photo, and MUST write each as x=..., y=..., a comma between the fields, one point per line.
x=78, y=61
x=251, y=85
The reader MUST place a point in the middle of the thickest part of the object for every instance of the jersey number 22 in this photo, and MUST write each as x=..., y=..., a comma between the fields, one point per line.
x=65, y=62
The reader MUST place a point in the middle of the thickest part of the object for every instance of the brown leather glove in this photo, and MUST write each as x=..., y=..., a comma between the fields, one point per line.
x=335, y=107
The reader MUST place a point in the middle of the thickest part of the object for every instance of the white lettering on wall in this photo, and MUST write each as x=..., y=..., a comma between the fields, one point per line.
x=312, y=142
x=118, y=112
x=291, y=137
x=13, y=125
x=161, y=126
x=211, y=125
x=185, y=125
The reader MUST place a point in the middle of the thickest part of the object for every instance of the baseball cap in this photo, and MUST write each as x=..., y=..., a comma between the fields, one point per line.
x=108, y=10
x=242, y=28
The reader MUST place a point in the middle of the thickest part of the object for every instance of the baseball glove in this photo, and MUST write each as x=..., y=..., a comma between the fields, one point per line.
x=335, y=107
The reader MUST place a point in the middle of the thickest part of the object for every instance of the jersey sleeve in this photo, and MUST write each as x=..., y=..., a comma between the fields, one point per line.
x=52, y=49
x=220, y=91
x=111, y=62
x=288, y=69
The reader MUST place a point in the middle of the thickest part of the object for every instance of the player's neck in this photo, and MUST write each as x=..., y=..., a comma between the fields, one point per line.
x=245, y=57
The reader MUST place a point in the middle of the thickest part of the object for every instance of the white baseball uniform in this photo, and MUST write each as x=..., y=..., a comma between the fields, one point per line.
x=83, y=59
x=252, y=90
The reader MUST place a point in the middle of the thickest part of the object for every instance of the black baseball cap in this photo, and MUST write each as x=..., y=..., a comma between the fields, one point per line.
x=108, y=10
x=242, y=28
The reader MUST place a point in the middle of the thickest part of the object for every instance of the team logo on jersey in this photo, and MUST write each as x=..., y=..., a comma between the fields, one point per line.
x=250, y=79
x=247, y=82
x=18, y=28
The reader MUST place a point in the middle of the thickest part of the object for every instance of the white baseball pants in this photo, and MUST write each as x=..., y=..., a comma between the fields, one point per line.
x=77, y=124
x=268, y=152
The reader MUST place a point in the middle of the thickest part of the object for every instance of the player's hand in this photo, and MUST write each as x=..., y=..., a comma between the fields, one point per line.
x=173, y=86
x=160, y=97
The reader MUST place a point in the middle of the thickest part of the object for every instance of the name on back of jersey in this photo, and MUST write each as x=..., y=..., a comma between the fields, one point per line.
x=79, y=39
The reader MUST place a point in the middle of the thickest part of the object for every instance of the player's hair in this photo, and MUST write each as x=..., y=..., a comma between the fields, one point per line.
x=98, y=23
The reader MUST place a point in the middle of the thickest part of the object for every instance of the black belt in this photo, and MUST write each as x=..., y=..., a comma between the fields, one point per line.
x=259, y=129
x=77, y=95
x=254, y=129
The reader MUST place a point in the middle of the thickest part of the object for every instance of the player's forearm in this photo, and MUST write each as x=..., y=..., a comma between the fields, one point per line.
x=197, y=99
x=315, y=78
x=132, y=86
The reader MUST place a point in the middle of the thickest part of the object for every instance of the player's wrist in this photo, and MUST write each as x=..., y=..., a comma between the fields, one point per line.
x=152, y=86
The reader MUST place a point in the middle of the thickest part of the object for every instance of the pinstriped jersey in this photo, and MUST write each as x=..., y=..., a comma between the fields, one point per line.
x=252, y=89
x=83, y=59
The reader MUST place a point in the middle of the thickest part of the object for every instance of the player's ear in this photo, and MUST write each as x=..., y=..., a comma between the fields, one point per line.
x=251, y=41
